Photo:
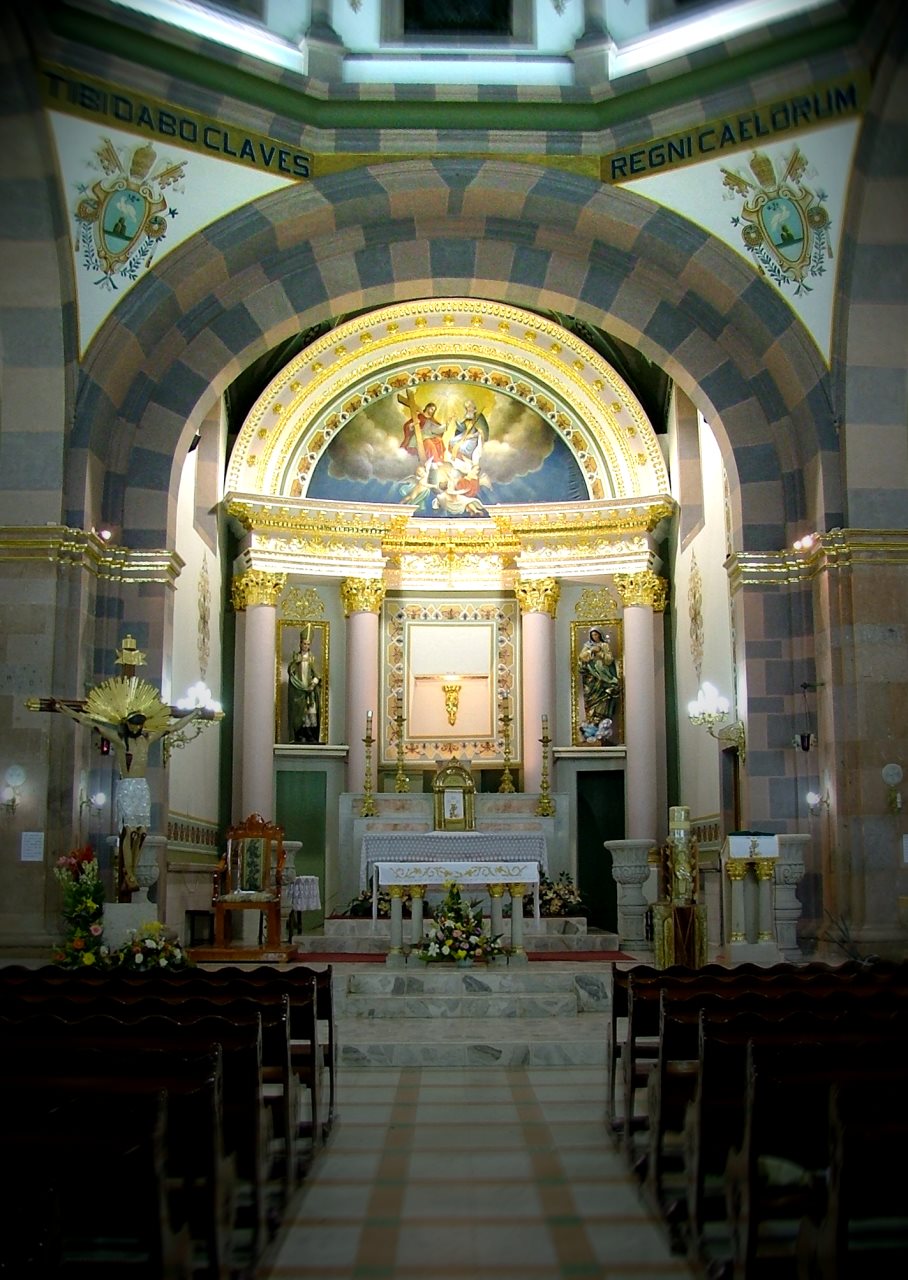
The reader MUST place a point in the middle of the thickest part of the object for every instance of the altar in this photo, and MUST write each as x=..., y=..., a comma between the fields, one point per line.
x=490, y=859
x=451, y=846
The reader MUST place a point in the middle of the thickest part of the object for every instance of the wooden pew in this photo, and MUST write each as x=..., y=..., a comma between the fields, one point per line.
x=246, y=1125
x=311, y=1052
x=104, y=1081
x=129, y=1231
x=777, y=1176
x=862, y=1228
x=640, y=1051
x=185, y=1004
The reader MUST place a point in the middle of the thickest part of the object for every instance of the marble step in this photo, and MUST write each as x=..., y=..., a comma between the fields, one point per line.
x=473, y=1042
x=478, y=993
x=350, y=936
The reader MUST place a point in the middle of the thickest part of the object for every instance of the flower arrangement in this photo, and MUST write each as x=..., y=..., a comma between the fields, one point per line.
x=558, y=897
x=458, y=934
x=151, y=946
x=83, y=908
x=361, y=905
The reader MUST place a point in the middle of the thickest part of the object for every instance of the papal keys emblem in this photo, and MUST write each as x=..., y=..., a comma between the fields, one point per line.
x=783, y=223
x=122, y=215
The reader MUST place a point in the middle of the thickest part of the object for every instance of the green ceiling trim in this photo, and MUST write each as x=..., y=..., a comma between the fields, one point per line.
x=220, y=77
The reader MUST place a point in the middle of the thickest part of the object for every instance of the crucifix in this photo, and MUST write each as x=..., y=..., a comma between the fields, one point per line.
x=129, y=713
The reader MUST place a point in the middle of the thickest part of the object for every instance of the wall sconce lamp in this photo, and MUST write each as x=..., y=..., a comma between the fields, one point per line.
x=816, y=802
x=710, y=709
x=198, y=698
x=15, y=777
x=892, y=776
x=451, y=689
x=94, y=803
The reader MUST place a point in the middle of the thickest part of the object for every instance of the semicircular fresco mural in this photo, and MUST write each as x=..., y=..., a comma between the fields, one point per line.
x=448, y=449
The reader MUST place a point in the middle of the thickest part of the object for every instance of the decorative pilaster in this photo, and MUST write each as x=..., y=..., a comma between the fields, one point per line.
x=362, y=600
x=538, y=601
x=255, y=594
x=642, y=594
x=788, y=908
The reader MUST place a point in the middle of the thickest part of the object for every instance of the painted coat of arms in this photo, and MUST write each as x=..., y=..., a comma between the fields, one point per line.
x=122, y=215
x=783, y=223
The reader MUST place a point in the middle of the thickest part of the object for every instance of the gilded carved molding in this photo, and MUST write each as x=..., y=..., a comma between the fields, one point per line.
x=538, y=596
x=361, y=595
x=646, y=589
x=255, y=587
x=84, y=549
x=825, y=552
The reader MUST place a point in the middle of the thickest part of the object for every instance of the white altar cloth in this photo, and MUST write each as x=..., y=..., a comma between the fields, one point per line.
x=480, y=873
x=455, y=846
x=304, y=894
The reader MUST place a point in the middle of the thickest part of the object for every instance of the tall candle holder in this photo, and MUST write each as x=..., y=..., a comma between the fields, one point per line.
x=401, y=781
x=368, y=809
x=507, y=782
x=545, y=805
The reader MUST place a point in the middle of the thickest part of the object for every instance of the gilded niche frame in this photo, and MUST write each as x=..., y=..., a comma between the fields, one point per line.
x=289, y=633
x=597, y=665
x=454, y=795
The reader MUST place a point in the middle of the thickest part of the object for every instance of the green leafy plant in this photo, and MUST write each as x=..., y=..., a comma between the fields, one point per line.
x=83, y=910
x=458, y=933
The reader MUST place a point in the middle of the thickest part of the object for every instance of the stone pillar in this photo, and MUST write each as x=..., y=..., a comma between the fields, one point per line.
x=643, y=594
x=765, y=869
x=518, y=954
x=736, y=870
x=789, y=873
x=630, y=871
x=362, y=598
x=417, y=894
x=538, y=601
x=496, y=894
x=256, y=593
x=395, y=956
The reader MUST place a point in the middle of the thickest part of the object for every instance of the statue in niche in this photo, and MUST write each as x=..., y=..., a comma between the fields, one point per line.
x=304, y=696
x=600, y=686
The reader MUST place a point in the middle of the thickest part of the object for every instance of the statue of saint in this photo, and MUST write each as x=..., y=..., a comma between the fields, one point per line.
x=304, y=693
x=600, y=685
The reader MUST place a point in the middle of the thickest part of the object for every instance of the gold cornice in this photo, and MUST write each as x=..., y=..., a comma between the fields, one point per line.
x=255, y=586
x=837, y=549
x=84, y=549
x=361, y=595
x=645, y=588
x=538, y=596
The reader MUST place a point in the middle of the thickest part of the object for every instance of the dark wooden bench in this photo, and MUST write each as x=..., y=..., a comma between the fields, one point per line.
x=104, y=1082
x=776, y=1178
x=130, y=1230
x=862, y=1228
x=246, y=1126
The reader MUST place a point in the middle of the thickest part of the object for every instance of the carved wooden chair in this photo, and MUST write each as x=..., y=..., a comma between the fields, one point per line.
x=249, y=877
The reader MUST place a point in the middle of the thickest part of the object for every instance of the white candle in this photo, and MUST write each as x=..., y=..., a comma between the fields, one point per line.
x=368, y=724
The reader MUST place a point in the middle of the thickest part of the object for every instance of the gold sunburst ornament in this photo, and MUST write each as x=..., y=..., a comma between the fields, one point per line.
x=120, y=697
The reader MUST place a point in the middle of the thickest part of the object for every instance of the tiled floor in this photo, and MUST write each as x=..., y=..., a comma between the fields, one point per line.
x=457, y=1174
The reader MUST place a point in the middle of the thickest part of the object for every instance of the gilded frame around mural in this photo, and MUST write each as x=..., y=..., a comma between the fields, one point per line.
x=591, y=705
x=289, y=635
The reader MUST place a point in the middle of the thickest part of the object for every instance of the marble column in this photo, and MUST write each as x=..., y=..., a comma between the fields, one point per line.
x=765, y=869
x=518, y=953
x=256, y=593
x=630, y=871
x=362, y=599
x=538, y=600
x=643, y=594
x=736, y=870
x=395, y=957
x=417, y=897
